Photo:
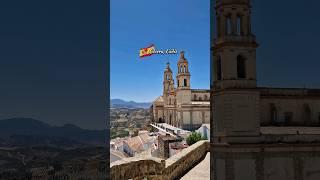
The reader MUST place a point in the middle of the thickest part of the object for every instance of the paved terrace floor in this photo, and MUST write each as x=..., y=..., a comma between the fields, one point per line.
x=200, y=171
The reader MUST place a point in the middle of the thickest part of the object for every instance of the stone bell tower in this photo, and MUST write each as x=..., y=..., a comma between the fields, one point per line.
x=168, y=83
x=183, y=80
x=235, y=97
x=169, y=96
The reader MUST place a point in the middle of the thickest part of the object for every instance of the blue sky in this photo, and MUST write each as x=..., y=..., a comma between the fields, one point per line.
x=181, y=24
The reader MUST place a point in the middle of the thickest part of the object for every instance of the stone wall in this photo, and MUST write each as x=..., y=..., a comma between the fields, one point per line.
x=266, y=162
x=179, y=164
x=290, y=104
x=137, y=168
x=155, y=168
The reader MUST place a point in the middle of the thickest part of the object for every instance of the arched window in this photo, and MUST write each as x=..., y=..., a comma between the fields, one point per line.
x=185, y=82
x=195, y=97
x=219, y=68
x=185, y=69
x=239, y=25
x=241, y=67
x=273, y=114
x=228, y=25
x=181, y=69
x=307, y=114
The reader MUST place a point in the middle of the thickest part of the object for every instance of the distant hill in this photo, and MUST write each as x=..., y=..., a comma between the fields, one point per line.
x=119, y=103
x=27, y=131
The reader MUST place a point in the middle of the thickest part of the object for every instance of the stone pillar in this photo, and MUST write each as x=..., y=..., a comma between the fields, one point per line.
x=164, y=142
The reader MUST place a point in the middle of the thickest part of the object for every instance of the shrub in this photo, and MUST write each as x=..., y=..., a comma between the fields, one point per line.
x=193, y=138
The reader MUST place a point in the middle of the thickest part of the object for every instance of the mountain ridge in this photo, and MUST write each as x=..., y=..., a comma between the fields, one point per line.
x=28, y=131
x=120, y=103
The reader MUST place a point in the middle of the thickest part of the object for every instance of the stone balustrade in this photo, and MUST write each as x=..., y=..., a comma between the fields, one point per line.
x=137, y=168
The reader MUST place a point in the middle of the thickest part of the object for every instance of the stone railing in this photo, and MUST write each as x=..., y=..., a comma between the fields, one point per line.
x=155, y=168
x=179, y=164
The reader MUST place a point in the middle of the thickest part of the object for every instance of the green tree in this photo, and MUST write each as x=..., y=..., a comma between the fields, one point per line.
x=193, y=138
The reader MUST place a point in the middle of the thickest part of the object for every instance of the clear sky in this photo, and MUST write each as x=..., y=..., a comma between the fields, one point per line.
x=53, y=61
x=181, y=24
x=288, y=34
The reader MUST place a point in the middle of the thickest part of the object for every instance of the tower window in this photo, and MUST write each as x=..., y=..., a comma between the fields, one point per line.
x=181, y=69
x=239, y=25
x=219, y=68
x=228, y=25
x=184, y=82
x=241, y=67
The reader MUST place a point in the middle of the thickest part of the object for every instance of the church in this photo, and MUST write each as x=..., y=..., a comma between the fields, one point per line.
x=179, y=105
x=241, y=108
x=258, y=132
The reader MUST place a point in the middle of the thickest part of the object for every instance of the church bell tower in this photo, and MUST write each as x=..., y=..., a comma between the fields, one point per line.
x=235, y=97
x=183, y=80
x=235, y=46
x=183, y=76
x=168, y=83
